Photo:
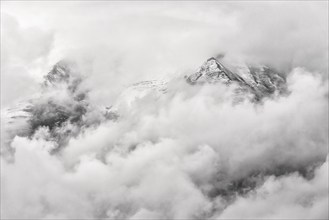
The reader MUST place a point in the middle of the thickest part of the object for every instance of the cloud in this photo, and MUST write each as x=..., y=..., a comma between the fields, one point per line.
x=179, y=155
x=189, y=153
x=283, y=35
x=290, y=196
x=121, y=43
x=24, y=51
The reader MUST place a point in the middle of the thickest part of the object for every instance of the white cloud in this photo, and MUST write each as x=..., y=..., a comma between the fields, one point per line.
x=169, y=156
x=288, y=197
x=24, y=53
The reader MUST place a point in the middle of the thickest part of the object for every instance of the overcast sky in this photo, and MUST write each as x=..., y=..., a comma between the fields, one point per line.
x=124, y=42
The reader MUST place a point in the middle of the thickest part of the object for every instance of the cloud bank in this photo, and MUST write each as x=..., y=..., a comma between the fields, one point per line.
x=189, y=153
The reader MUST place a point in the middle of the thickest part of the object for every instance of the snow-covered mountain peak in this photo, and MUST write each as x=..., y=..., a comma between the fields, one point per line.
x=64, y=73
x=59, y=73
x=260, y=80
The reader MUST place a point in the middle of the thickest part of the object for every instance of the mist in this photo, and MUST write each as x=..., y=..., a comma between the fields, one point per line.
x=177, y=151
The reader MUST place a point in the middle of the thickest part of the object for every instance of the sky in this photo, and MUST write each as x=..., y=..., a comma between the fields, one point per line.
x=120, y=43
x=176, y=155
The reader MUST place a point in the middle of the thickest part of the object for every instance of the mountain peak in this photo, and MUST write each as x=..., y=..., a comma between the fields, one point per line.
x=261, y=81
x=212, y=71
x=65, y=73
x=60, y=72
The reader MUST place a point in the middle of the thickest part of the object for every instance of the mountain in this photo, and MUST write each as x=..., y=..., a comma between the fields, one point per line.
x=262, y=81
x=63, y=108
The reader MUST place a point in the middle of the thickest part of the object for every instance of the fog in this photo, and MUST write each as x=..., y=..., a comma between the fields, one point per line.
x=189, y=152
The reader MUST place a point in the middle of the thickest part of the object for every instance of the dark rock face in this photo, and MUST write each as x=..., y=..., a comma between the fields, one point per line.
x=54, y=113
x=260, y=81
x=62, y=109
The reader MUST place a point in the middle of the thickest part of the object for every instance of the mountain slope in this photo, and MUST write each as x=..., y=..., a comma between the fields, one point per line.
x=261, y=81
x=61, y=108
